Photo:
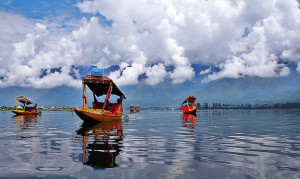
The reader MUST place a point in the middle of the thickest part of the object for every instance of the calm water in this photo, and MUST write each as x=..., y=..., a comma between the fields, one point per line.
x=152, y=144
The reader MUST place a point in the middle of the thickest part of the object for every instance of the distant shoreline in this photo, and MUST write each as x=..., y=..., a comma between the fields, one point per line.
x=220, y=106
x=203, y=106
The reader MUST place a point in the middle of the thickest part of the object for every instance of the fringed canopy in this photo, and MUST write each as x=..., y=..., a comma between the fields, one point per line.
x=99, y=85
x=23, y=100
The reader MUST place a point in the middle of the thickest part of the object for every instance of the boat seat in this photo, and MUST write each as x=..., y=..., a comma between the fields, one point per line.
x=97, y=105
x=112, y=107
x=30, y=109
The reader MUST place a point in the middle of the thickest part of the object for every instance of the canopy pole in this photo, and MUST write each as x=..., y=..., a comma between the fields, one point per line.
x=83, y=94
x=95, y=99
x=25, y=106
x=17, y=104
x=107, y=96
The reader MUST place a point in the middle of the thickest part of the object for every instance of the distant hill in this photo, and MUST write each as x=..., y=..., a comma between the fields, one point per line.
x=230, y=91
x=294, y=97
x=60, y=96
x=165, y=94
x=246, y=90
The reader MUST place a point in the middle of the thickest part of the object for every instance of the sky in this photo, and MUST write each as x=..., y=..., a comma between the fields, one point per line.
x=48, y=44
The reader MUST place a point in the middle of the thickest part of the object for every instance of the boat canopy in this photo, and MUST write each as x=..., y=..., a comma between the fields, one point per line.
x=23, y=100
x=190, y=99
x=99, y=85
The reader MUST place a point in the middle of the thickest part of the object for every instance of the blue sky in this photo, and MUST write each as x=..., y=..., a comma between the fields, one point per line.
x=62, y=10
x=50, y=44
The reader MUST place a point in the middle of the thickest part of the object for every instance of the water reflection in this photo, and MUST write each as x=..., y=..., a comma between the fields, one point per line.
x=101, y=143
x=189, y=122
x=25, y=122
x=158, y=144
x=25, y=125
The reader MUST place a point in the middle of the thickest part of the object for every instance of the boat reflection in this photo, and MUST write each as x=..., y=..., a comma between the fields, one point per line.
x=26, y=125
x=189, y=121
x=25, y=122
x=101, y=143
x=131, y=109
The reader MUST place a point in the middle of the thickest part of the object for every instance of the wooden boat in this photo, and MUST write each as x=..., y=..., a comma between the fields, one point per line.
x=137, y=108
x=70, y=109
x=101, y=111
x=131, y=108
x=189, y=105
x=26, y=110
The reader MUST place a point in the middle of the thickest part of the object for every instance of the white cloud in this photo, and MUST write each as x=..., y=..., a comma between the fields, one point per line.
x=208, y=32
x=13, y=28
x=123, y=65
x=203, y=72
x=183, y=70
x=285, y=71
x=40, y=51
x=252, y=57
x=129, y=76
x=146, y=36
x=55, y=79
x=182, y=74
x=155, y=74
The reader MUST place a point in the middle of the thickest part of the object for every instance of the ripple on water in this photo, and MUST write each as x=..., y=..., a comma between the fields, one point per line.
x=237, y=144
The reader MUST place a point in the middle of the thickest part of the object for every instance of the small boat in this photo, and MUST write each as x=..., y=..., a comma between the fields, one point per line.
x=131, y=108
x=26, y=110
x=101, y=111
x=70, y=109
x=137, y=108
x=189, y=105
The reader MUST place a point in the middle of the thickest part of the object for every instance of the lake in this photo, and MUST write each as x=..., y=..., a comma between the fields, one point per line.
x=152, y=144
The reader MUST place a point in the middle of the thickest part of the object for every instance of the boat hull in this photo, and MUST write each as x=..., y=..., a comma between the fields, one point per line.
x=96, y=116
x=20, y=112
x=189, y=110
x=131, y=109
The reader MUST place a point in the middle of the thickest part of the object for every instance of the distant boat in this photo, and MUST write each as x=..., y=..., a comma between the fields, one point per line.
x=189, y=105
x=26, y=110
x=101, y=111
x=137, y=108
x=70, y=109
x=131, y=108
